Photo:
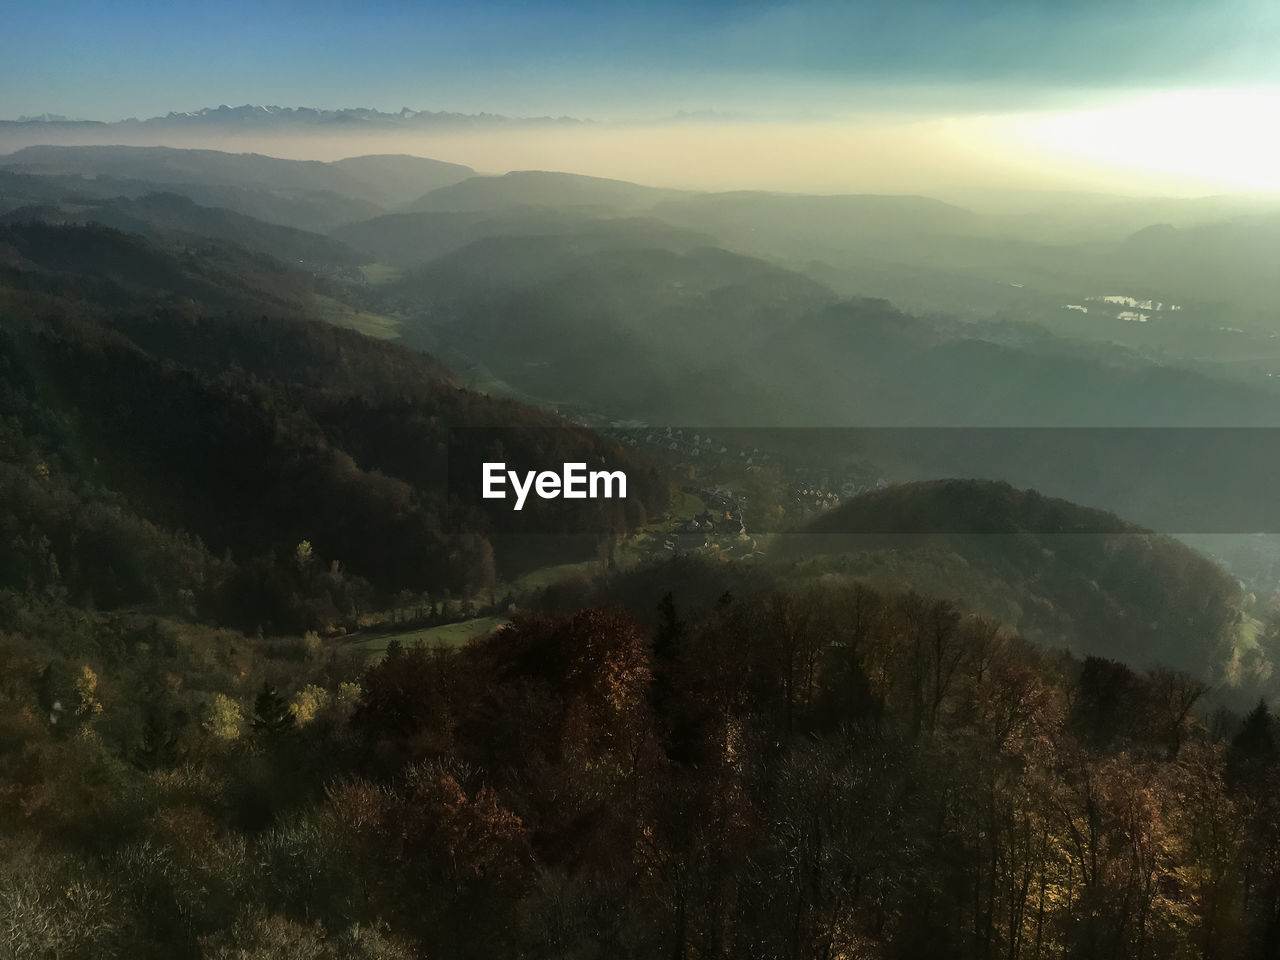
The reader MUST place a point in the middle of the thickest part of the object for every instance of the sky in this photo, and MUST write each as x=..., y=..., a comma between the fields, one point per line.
x=1134, y=87
x=614, y=61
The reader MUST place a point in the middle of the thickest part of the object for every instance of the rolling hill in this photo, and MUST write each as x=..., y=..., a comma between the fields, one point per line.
x=1061, y=574
x=372, y=179
x=414, y=239
x=396, y=179
x=170, y=215
x=306, y=194
x=540, y=188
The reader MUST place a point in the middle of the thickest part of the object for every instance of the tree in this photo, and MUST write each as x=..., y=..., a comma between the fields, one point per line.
x=225, y=719
x=308, y=702
x=666, y=642
x=1172, y=695
x=1106, y=694
x=272, y=714
x=303, y=555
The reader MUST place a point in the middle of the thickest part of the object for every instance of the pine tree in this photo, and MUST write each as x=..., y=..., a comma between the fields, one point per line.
x=670, y=630
x=1256, y=739
x=272, y=715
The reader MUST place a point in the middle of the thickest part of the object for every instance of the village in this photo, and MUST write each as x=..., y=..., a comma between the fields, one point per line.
x=735, y=495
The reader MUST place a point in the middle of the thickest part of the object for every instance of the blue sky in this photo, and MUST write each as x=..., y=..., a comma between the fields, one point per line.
x=620, y=60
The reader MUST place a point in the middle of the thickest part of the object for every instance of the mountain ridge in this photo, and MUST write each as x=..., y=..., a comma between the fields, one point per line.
x=249, y=114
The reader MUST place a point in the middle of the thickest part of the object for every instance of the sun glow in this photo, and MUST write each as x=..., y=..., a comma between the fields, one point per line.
x=1224, y=139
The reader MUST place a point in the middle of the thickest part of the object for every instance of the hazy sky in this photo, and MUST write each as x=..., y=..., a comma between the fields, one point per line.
x=1136, y=85
x=619, y=60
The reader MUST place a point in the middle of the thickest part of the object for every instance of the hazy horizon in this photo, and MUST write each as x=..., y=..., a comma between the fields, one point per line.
x=1179, y=99
x=877, y=155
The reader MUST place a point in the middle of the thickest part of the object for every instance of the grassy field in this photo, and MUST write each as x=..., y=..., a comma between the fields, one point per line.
x=341, y=315
x=546, y=576
x=377, y=273
x=1247, y=637
x=684, y=507
x=446, y=635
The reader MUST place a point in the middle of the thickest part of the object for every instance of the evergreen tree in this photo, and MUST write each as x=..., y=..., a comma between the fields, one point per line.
x=670, y=630
x=1255, y=745
x=272, y=715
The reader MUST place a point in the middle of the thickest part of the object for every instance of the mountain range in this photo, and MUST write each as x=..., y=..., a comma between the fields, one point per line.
x=258, y=116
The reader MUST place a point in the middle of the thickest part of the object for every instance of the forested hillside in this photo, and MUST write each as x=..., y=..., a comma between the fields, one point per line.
x=1061, y=574
x=169, y=215
x=145, y=424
